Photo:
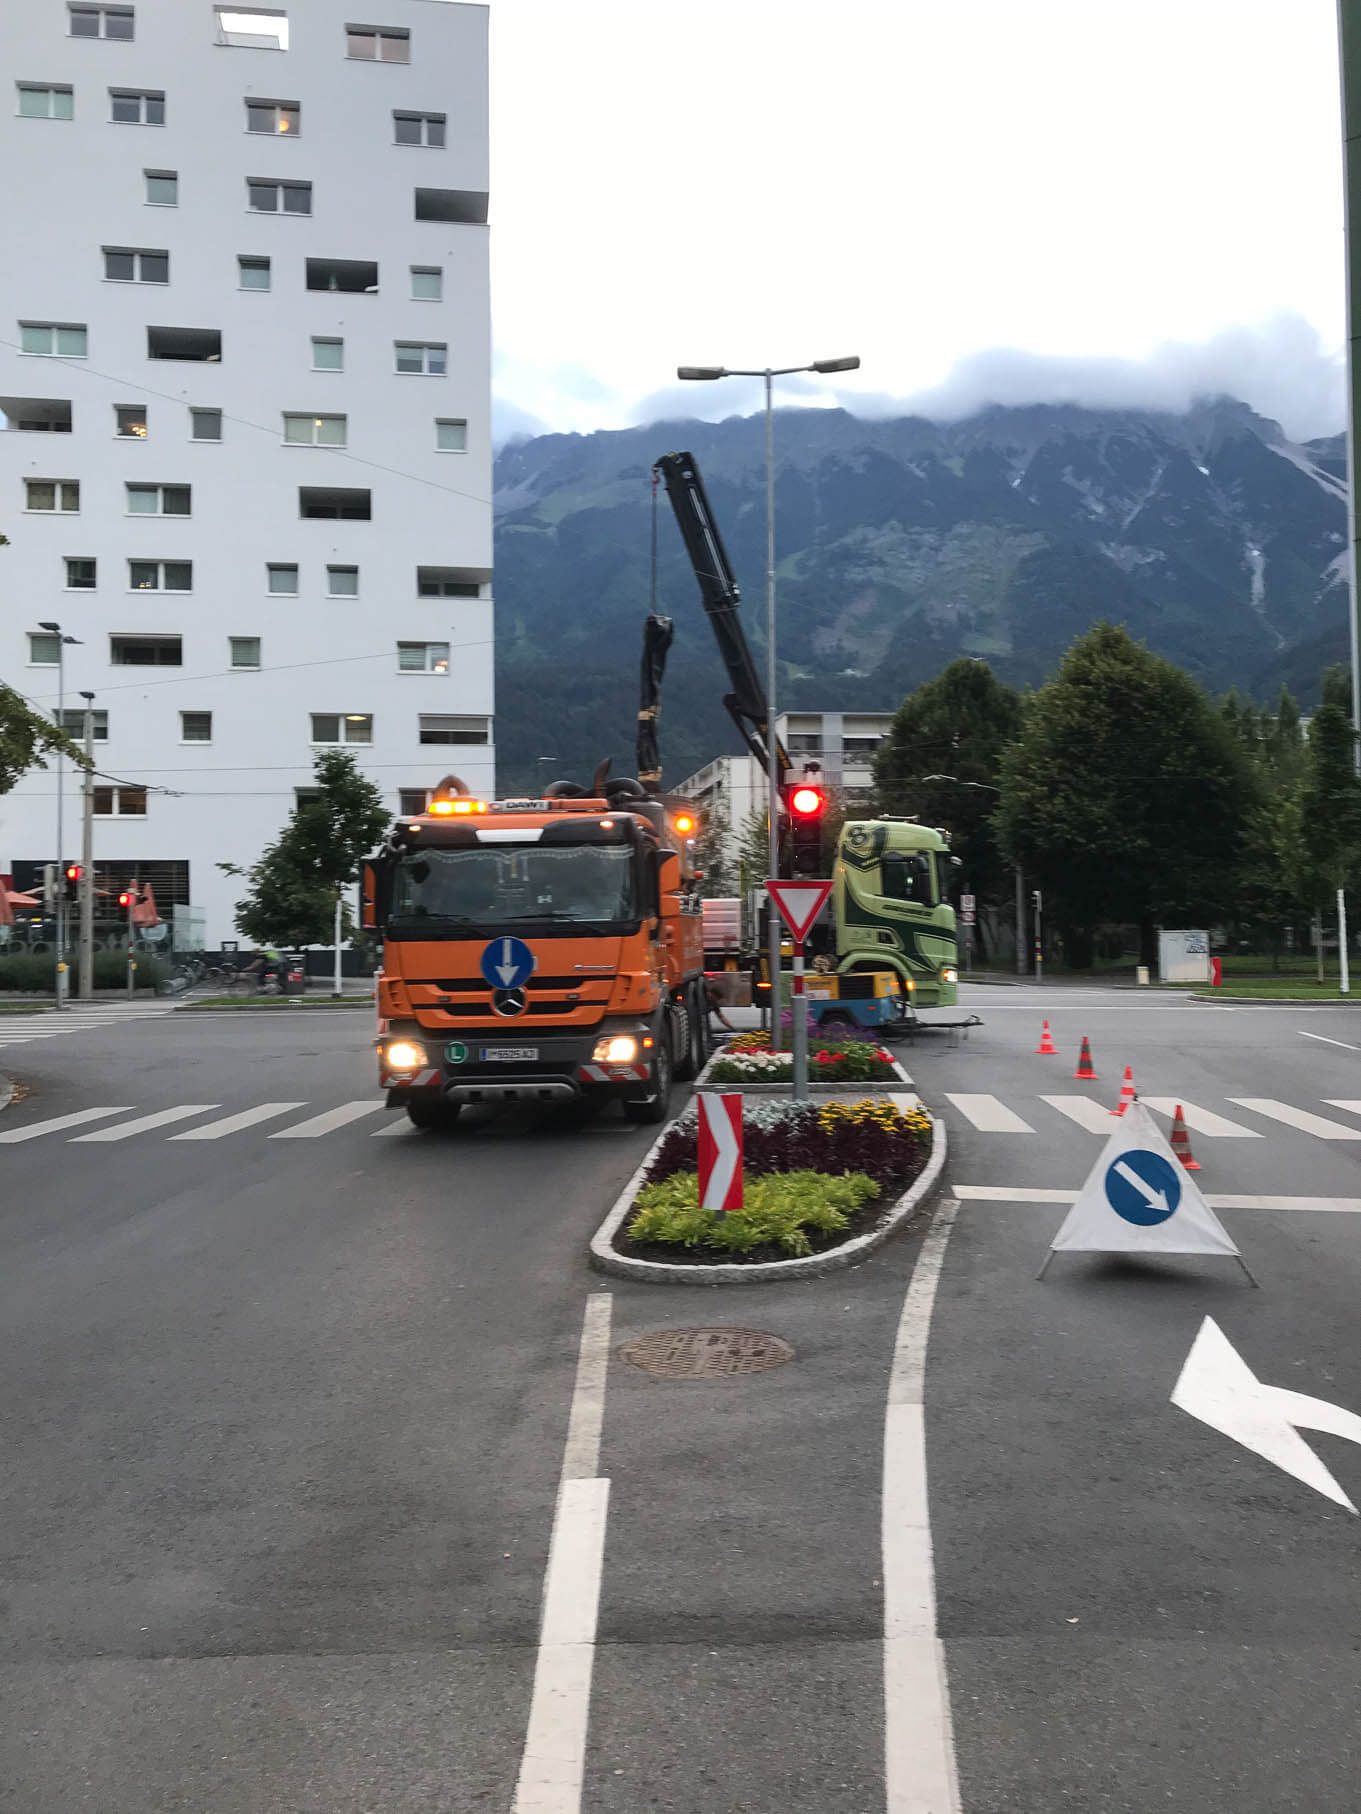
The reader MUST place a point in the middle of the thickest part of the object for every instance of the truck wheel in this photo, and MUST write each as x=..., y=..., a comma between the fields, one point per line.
x=434, y=1116
x=691, y=1060
x=648, y=1111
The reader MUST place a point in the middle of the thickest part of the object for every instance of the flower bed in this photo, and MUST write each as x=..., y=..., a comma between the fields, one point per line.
x=744, y=1060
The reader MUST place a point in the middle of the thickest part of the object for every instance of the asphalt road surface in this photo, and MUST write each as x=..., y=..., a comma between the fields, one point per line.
x=288, y=1394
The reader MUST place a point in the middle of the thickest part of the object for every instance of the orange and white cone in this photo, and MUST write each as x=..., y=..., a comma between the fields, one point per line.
x=1181, y=1141
x=1127, y=1092
x=1086, y=1071
x=1045, y=1049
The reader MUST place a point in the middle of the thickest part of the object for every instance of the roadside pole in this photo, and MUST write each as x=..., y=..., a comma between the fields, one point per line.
x=799, y=904
x=336, y=988
x=1038, y=898
x=86, y=971
x=132, y=943
x=1020, y=921
x=1346, y=978
x=799, y=1003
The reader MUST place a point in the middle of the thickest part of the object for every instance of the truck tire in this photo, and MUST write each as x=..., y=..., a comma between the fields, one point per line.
x=647, y=1111
x=432, y=1116
x=692, y=1048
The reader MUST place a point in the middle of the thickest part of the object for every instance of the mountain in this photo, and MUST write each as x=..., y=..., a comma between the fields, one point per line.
x=901, y=544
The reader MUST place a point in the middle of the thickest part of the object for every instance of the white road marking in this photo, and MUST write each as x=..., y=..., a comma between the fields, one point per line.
x=989, y=1115
x=399, y=1124
x=1091, y=1115
x=330, y=1121
x=1202, y=1121
x=554, y=1758
x=1323, y=1037
x=58, y=1122
x=1351, y=1103
x=920, y=1772
x=1013, y=1193
x=1300, y=1118
x=231, y=1124
x=144, y=1123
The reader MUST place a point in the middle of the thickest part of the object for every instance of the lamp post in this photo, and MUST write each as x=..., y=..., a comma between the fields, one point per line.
x=769, y=373
x=86, y=970
x=63, y=982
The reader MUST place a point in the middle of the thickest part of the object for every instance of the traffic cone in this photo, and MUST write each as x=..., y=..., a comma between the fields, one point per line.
x=1181, y=1141
x=1085, y=1072
x=1045, y=1049
x=1126, y=1092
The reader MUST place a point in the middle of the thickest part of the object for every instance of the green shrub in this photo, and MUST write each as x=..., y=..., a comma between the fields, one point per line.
x=778, y=1211
x=35, y=972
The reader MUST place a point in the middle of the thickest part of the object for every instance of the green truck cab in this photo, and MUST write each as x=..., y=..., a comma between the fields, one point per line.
x=892, y=909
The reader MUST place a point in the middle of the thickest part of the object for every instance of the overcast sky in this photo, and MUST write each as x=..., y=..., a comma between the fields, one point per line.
x=1106, y=201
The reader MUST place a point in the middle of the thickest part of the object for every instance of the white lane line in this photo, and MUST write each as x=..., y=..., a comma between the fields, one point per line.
x=920, y=1772
x=1300, y=1118
x=400, y=1124
x=1324, y=1040
x=330, y=1121
x=58, y=1122
x=1009, y=1193
x=232, y=1124
x=145, y=1123
x=989, y=1115
x=1352, y=1104
x=1202, y=1121
x=1091, y=1115
x=554, y=1758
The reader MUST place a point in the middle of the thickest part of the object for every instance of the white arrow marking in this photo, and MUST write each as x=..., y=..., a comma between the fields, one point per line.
x=1156, y=1199
x=1217, y=1387
x=505, y=969
x=725, y=1158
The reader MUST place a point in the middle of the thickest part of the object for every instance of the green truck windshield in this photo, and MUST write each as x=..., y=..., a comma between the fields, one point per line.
x=519, y=882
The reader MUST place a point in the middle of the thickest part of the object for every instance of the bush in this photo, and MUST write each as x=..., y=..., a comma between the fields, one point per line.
x=871, y=1138
x=35, y=972
x=778, y=1211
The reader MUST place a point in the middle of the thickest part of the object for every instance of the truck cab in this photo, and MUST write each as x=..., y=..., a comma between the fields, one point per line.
x=892, y=909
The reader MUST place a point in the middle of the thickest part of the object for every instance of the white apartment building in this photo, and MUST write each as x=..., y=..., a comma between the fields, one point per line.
x=245, y=456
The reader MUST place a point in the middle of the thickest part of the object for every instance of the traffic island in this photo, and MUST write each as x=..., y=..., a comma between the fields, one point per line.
x=836, y=1063
x=825, y=1184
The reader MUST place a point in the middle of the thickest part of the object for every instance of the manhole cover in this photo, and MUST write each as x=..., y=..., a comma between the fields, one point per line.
x=706, y=1353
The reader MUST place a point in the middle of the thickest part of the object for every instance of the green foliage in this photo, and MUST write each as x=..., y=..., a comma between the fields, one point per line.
x=711, y=856
x=35, y=972
x=291, y=893
x=27, y=738
x=1331, y=800
x=753, y=852
x=778, y=1210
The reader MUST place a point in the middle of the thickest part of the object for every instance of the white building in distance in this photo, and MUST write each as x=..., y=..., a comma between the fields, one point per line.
x=245, y=447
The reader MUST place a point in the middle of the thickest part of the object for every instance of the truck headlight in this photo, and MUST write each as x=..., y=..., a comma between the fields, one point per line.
x=949, y=975
x=621, y=1049
x=405, y=1055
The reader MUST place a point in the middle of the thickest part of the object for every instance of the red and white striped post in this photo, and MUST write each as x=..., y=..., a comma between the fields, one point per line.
x=720, y=1151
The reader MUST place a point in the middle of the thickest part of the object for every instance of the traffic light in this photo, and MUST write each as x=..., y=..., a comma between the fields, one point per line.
x=73, y=873
x=126, y=900
x=807, y=806
x=685, y=823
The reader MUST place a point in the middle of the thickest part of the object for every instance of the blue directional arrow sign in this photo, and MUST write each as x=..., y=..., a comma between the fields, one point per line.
x=507, y=963
x=1142, y=1187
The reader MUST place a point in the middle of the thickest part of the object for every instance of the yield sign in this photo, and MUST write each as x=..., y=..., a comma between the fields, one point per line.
x=799, y=903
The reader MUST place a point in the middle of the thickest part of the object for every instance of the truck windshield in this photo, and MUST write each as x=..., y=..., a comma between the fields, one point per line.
x=476, y=889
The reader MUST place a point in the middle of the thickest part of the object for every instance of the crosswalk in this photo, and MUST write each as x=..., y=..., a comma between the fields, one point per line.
x=990, y=1115
x=82, y=1017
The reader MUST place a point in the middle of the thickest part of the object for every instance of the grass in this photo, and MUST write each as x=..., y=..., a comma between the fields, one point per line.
x=778, y=1210
x=1274, y=988
x=23, y=1007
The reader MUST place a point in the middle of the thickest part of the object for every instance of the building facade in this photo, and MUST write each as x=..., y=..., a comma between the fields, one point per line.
x=245, y=436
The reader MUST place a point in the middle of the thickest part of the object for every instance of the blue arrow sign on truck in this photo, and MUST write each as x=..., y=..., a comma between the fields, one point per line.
x=507, y=963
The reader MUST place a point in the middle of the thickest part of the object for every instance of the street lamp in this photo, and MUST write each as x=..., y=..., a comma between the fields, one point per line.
x=706, y=373
x=62, y=641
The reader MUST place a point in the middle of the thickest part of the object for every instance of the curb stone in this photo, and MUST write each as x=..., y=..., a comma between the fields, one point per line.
x=1279, y=1001
x=6, y=1093
x=808, y=1266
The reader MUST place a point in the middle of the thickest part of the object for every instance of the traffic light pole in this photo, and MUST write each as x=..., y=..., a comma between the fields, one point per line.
x=86, y=973
x=799, y=1003
x=132, y=942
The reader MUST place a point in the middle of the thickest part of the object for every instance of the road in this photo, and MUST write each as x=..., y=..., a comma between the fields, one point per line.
x=285, y=1392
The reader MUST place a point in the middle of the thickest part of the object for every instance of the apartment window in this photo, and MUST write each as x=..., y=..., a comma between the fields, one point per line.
x=427, y=283
x=250, y=28
x=419, y=129
x=314, y=431
x=100, y=21
x=356, y=276
x=52, y=494
x=205, y=424
x=201, y=344
x=161, y=576
x=146, y=651
x=451, y=434
x=196, y=727
x=412, y=801
x=444, y=727
x=328, y=355
x=342, y=582
x=159, y=500
x=37, y=103
x=54, y=339
x=462, y=207
x=243, y=651
x=282, y=580
x=342, y=727
x=162, y=188
x=37, y=415
x=125, y=264
x=266, y=197
x=44, y=651
x=72, y=721
x=348, y=503
x=276, y=117
x=306, y=796
x=80, y=574
x=447, y=582
x=430, y=358
x=422, y=658
x=130, y=421
x=252, y=273
x=120, y=802
x=378, y=43
x=137, y=106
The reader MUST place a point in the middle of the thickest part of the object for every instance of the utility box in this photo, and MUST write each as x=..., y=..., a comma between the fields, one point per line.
x=1184, y=957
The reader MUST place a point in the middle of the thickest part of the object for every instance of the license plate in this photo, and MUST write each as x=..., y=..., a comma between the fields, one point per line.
x=510, y=1054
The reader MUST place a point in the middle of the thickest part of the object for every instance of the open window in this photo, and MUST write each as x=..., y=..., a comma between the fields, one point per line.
x=37, y=415
x=357, y=275
x=349, y=503
x=252, y=27
x=201, y=344
x=466, y=207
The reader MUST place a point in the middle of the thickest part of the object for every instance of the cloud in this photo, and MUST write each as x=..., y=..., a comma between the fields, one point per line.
x=511, y=423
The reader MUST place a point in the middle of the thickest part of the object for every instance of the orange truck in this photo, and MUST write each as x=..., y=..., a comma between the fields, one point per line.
x=536, y=950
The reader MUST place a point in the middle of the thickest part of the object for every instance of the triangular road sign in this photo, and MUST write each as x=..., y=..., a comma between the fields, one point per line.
x=1138, y=1199
x=799, y=903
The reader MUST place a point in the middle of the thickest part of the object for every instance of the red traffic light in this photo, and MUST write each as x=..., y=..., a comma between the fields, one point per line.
x=73, y=872
x=125, y=899
x=807, y=802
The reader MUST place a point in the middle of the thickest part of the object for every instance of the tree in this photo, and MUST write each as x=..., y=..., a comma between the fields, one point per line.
x=27, y=738
x=292, y=889
x=711, y=854
x=1125, y=795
